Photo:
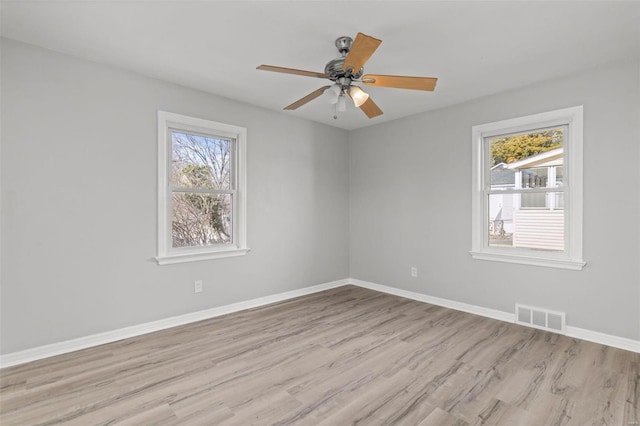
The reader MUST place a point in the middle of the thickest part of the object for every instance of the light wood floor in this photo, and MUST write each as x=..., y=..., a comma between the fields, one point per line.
x=344, y=356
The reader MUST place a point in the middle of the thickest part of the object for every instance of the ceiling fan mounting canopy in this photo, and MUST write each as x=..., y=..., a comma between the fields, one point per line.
x=344, y=45
x=354, y=54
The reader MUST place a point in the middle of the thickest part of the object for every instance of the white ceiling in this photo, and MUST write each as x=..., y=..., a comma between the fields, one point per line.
x=475, y=48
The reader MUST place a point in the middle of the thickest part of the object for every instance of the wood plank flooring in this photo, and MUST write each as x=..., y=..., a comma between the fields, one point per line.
x=343, y=356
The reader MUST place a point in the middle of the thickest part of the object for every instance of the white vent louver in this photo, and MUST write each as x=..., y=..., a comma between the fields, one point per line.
x=543, y=319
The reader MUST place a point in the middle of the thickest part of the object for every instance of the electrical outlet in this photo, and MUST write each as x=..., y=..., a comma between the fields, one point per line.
x=414, y=272
x=197, y=286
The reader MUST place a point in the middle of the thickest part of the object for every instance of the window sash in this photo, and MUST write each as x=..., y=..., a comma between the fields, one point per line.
x=200, y=190
x=233, y=158
x=211, y=247
x=487, y=191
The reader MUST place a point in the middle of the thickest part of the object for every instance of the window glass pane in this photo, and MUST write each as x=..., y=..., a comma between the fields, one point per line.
x=558, y=200
x=559, y=175
x=200, y=161
x=502, y=177
x=549, y=201
x=533, y=228
x=528, y=155
x=535, y=177
x=501, y=220
x=201, y=219
x=534, y=201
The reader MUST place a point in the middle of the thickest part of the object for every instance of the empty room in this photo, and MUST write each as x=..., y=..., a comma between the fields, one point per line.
x=320, y=212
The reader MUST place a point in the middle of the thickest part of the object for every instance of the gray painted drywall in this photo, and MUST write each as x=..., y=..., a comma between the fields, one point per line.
x=410, y=204
x=79, y=201
x=78, y=176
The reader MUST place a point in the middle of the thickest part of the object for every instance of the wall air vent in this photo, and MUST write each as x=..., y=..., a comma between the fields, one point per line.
x=543, y=319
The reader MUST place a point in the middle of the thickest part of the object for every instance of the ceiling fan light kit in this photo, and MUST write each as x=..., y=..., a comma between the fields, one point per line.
x=358, y=95
x=349, y=69
x=332, y=93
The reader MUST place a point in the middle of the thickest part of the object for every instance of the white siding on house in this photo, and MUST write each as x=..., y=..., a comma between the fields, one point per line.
x=540, y=229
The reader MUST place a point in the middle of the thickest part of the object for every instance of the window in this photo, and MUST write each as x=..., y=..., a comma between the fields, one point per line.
x=201, y=189
x=527, y=190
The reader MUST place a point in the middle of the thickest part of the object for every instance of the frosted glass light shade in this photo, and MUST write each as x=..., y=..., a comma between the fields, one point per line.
x=332, y=93
x=358, y=95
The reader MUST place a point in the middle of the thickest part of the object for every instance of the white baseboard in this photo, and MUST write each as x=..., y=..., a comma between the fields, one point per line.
x=579, y=333
x=59, y=348
x=604, y=339
x=458, y=306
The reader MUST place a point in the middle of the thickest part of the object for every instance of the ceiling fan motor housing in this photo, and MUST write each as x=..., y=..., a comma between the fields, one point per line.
x=334, y=70
x=334, y=67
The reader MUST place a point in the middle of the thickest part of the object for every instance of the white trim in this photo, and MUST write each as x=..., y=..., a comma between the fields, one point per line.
x=575, y=332
x=166, y=255
x=604, y=339
x=574, y=265
x=446, y=303
x=193, y=257
x=60, y=348
x=571, y=258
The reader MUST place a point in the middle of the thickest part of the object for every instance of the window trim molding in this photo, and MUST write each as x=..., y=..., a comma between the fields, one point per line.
x=571, y=258
x=164, y=254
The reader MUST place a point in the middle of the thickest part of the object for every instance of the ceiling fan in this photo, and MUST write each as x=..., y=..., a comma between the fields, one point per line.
x=347, y=70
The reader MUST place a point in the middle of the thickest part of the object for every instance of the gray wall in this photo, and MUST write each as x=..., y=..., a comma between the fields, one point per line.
x=78, y=174
x=410, y=204
x=79, y=201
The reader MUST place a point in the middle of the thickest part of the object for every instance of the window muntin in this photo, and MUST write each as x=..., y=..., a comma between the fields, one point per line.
x=201, y=195
x=526, y=207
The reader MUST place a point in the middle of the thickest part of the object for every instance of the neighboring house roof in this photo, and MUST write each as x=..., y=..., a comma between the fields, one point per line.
x=544, y=159
x=501, y=175
x=499, y=166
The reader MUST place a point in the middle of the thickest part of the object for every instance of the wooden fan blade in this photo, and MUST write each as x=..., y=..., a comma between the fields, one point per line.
x=311, y=96
x=370, y=108
x=361, y=50
x=400, y=82
x=292, y=71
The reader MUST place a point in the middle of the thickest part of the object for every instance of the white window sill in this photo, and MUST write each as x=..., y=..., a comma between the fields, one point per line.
x=572, y=264
x=199, y=256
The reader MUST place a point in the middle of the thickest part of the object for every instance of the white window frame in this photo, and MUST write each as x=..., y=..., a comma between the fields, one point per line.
x=166, y=253
x=571, y=257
